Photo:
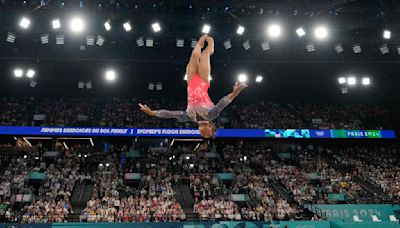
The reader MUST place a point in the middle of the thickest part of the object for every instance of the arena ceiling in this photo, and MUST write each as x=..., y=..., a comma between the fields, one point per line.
x=288, y=68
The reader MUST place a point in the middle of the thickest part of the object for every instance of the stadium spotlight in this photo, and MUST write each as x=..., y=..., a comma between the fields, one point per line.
x=11, y=37
x=206, y=29
x=90, y=40
x=227, y=44
x=100, y=40
x=156, y=27
x=342, y=80
x=384, y=49
x=140, y=41
x=60, y=39
x=180, y=42
x=127, y=26
x=265, y=46
x=246, y=45
x=366, y=81
x=357, y=48
x=310, y=47
x=56, y=23
x=274, y=30
x=110, y=75
x=300, y=32
x=30, y=73
x=24, y=22
x=242, y=77
x=77, y=25
x=339, y=48
x=44, y=38
x=149, y=42
x=351, y=81
x=386, y=34
x=398, y=50
x=18, y=73
x=259, y=78
x=107, y=25
x=321, y=32
x=240, y=30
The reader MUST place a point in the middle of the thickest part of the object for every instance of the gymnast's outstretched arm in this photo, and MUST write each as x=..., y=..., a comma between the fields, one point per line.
x=225, y=101
x=162, y=113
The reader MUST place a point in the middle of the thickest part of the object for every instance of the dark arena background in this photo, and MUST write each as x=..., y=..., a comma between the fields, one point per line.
x=312, y=142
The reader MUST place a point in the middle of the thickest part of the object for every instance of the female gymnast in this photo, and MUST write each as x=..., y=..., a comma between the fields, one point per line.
x=200, y=108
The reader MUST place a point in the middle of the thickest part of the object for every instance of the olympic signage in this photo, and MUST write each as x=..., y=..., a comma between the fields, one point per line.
x=179, y=132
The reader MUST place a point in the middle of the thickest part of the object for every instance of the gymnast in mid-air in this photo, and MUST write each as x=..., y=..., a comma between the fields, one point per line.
x=200, y=108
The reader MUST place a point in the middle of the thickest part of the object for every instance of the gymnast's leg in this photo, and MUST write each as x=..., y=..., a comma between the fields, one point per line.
x=204, y=64
x=192, y=66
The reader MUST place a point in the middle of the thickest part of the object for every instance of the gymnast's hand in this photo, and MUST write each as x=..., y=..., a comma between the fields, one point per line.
x=238, y=87
x=147, y=110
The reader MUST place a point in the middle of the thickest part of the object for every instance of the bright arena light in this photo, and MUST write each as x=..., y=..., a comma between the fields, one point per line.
x=274, y=31
x=242, y=78
x=110, y=75
x=341, y=80
x=240, y=30
x=30, y=73
x=300, y=32
x=351, y=81
x=206, y=29
x=185, y=78
x=259, y=78
x=107, y=25
x=77, y=25
x=366, y=81
x=387, y=34
x=18, y=73
x=156, y=27
x=127, y=26
x=56, y=23
x=24, y=23
x=321, y=32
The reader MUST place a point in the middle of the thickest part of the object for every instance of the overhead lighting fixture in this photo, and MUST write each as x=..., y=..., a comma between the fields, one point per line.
x=300, y=32
x=151, y=86
x=398, y=50
x=274, y=31
x=18, y=73
x=100, y=40
x=366, y=81
x=240, y=30
x=227, y=44
x=77, y=25
x=387, y=34
x=246, y=45
x=90, y=40
x=206, y=29
x=351, y=81
x=156, y=27
x=339, y=48
x=265, y=46
x=30, y=73
x=44, y=38
x=107, y=25
x=110, y=75
x=10, y=37
x=140, y=41
x=24, y=23
x=193, y=43
x=310, y=47
x=242, y=78
x=127, y=26
x=81, y=85
x=259, y=78
x=59, y=39
x=342, y=80
x=159, y=86
x=357, y=48
x=321, y=32
x=56, y=24
x=149, y=42
x=32, y=84
x=384, y=49
x=180, y=42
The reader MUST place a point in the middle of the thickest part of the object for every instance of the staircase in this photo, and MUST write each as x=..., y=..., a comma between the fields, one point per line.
x=184, y=196
x=80, y=196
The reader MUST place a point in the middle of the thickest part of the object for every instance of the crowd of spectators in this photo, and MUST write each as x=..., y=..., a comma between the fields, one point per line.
x=124, y=112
